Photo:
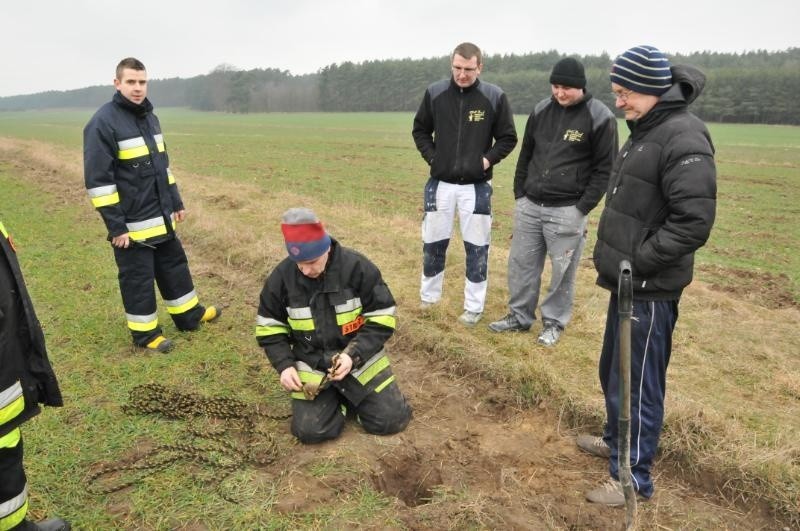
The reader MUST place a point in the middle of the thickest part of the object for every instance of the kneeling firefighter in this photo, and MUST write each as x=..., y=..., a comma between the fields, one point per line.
x=324, y=315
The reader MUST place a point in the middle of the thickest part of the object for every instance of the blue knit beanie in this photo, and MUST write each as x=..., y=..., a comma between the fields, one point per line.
x=642, y=69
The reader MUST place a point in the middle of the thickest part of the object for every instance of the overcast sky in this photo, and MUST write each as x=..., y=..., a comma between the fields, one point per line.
x=68, y=44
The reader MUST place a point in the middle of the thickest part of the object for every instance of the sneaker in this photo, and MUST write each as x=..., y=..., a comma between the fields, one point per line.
x=159, y=344
x=550, y=335
x=211, y=314
x=508, y=323
x=593, y=445
x=469, y=318
x=610, y=493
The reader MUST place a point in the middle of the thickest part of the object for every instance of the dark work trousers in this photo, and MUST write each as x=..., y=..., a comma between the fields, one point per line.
x=138, y=266
x=12, y=484
x=652, y=324
x=318, y=420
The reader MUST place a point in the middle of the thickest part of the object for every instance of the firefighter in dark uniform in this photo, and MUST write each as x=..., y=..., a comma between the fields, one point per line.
x=323, y=317
x=127, y=174
x=26, y=380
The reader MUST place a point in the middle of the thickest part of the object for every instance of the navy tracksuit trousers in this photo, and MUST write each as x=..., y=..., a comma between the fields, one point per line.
x=652, y=324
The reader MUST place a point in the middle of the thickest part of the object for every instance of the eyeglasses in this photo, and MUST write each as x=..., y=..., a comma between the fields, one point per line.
x=623, y=96
x=466, y=70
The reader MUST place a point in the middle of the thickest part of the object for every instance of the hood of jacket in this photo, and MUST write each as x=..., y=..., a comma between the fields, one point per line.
x=687, y=84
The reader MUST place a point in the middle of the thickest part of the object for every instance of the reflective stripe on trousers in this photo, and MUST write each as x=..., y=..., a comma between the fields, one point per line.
x=13, y=487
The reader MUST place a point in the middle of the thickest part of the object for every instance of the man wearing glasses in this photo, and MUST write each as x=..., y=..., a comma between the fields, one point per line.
x=462, y=129
x=660, y=206
x=562, y=172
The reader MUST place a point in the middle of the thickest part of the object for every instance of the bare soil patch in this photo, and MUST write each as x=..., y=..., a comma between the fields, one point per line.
x=765, y=289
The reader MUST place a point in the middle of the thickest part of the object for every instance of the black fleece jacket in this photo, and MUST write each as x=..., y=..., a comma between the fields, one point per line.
x=454, y=129
x=567, y=154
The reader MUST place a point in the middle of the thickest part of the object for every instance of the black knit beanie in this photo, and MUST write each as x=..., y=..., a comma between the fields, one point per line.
x=568, y=72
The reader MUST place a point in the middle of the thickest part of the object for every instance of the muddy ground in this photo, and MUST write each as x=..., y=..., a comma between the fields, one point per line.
x=471, y=458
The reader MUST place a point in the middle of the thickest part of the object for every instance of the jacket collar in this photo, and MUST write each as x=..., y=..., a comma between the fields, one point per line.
x=470, y=88
x=330, y=278
x=139, y=109
x=586, y=97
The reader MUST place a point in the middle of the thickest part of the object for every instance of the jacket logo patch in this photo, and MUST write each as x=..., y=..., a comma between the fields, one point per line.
x=690, y=160
x=353, y=325
x=476, y=116
x=573, y=135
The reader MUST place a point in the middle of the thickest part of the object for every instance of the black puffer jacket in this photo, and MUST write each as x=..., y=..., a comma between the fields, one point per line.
x=661, y=198
x=454, y=129
x=567, y=154
x=26, y=377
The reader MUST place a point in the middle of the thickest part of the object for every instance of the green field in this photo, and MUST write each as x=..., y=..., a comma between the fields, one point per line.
x=734, y=381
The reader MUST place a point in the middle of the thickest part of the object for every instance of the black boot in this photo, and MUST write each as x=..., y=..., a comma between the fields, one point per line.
x=53, y=524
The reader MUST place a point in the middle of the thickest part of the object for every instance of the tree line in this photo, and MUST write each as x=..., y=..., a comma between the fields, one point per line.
x=749, y=87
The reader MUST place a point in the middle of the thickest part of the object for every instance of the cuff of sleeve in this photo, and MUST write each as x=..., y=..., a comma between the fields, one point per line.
x=283, y=365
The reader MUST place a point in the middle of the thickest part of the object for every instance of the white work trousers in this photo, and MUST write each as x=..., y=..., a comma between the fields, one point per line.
x=472, y=202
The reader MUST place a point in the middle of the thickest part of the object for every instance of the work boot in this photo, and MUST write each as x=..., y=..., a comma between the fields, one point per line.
x=550, y=335
x=53, y=524
x=593, y=445
x=211, y=314
x=159, y=344
x=469, y=318
x=508, y=323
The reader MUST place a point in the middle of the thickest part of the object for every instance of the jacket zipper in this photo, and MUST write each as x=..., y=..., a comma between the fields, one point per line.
x=546, y=173
x=458, y=137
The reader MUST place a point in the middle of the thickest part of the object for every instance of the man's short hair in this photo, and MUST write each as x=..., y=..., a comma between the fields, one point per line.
x=467, y=50
x=129, y=62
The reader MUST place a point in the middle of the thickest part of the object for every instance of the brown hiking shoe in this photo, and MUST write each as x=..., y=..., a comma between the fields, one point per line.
x=593, y=445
